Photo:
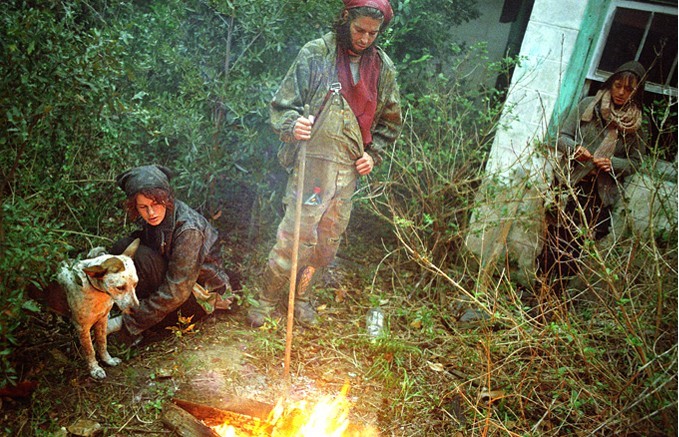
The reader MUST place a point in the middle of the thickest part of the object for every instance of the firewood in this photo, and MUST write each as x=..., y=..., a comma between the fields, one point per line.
x=211, y=416
x=239, y=405
x=183, y=423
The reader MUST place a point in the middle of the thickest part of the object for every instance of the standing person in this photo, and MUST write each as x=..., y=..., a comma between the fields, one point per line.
x=178, y=261
x=600, y=143
x=350, y=87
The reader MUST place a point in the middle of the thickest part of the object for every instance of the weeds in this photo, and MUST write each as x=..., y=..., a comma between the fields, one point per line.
x=598, y=358
x=184, y=326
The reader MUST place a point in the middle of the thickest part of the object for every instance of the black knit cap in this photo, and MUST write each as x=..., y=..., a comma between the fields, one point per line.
x=145, y=177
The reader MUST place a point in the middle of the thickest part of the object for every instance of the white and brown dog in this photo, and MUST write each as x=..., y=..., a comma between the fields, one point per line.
x=92, y=286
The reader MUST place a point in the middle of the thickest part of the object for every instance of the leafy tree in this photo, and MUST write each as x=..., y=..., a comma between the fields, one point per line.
x=56, y=80
x=420, y=37
x=88, y=89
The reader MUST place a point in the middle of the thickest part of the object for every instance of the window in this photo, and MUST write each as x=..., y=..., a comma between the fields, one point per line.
x=640, y=31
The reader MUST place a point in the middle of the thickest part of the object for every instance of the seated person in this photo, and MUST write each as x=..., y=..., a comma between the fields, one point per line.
x=601, y=142
x=178, y=261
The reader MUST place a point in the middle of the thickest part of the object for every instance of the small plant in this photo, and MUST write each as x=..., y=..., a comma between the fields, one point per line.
x=183, y=327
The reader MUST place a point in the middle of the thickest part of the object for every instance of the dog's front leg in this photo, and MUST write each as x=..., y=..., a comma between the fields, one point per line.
x=86, y=342
x=100, y=329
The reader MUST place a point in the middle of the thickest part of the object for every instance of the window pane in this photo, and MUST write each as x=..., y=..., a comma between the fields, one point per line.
x=627, y=31
x=663, y=31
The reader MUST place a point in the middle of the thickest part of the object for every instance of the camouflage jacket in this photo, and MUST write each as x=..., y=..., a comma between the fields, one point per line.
x=308, y=81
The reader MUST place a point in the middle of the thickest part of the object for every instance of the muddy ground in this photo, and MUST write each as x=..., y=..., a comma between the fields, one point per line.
x=216, y=363
x=219, y=360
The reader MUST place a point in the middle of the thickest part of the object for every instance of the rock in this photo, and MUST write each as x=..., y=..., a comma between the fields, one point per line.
x=85, y=428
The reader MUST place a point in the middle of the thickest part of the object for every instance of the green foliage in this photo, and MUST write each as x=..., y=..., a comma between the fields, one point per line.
x=435, y=168
x=420, y=41
x=90, y=89
x=30, y=243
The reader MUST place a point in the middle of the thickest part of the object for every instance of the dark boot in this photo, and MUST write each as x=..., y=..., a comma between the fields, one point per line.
x=305, y=313
x=261, y=311
x=268, y=298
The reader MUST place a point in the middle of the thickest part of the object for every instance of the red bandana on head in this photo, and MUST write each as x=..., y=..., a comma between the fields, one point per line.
x=381, y=5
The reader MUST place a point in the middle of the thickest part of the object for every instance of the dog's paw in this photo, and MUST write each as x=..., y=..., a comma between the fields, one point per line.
x=97, y=372
x=112, y=361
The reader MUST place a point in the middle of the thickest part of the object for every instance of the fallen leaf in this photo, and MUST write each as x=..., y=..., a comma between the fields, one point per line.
x=22, y=389
x=340, y=295
x=59, y=356
x=490, y=395
x=163, y=373
x=436, y=367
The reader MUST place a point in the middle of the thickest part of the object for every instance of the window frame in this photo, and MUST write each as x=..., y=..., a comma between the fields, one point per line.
x=601, y=76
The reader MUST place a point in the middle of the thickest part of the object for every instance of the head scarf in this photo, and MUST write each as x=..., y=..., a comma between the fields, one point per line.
x=381, y=5
x=626, y=119
x=144, y=177
x=635, y=67
x=362, y=96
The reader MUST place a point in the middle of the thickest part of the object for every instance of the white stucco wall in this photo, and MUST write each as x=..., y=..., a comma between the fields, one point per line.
x=547, y=46
x=507, y=221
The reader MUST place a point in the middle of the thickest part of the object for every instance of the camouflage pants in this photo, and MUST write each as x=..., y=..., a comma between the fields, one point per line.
x=326, y=209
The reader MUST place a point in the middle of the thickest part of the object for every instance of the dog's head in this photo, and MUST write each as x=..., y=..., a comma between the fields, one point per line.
x=116, y=276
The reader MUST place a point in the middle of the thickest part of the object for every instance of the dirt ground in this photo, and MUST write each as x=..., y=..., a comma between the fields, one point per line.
x=215, y=363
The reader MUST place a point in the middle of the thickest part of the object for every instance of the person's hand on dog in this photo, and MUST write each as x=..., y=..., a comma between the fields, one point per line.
x=115, y=324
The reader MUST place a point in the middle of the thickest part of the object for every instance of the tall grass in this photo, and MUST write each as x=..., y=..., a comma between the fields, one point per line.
x=599, y=358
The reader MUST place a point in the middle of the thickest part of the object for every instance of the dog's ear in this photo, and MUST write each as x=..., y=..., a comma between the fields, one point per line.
x=95, y=271
x=132, y=248
x=111, y=265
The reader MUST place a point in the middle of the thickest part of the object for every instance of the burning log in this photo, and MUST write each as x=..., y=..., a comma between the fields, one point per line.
x=245, y=415
x=329, y=417
x=247, y=407
x=184, y=424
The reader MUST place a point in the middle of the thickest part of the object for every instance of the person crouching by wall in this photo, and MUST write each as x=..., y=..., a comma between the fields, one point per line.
x=600, y=143
x=178, y=261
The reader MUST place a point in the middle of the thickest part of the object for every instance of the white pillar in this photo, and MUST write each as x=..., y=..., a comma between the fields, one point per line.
x=508, y=217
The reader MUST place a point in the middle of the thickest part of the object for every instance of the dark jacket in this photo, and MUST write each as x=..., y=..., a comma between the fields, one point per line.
x=188, y=243
x=629, y=150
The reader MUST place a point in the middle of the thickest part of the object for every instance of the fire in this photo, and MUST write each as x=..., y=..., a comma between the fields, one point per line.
x=227, y=431
x=329, y=417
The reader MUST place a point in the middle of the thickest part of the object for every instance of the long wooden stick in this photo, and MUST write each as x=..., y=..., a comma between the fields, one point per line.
x=295, y=250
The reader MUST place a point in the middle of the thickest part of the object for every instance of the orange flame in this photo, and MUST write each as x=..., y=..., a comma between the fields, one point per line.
x=329, y=417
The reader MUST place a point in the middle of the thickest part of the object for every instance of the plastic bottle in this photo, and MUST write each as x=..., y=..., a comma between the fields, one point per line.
x=375, y=322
